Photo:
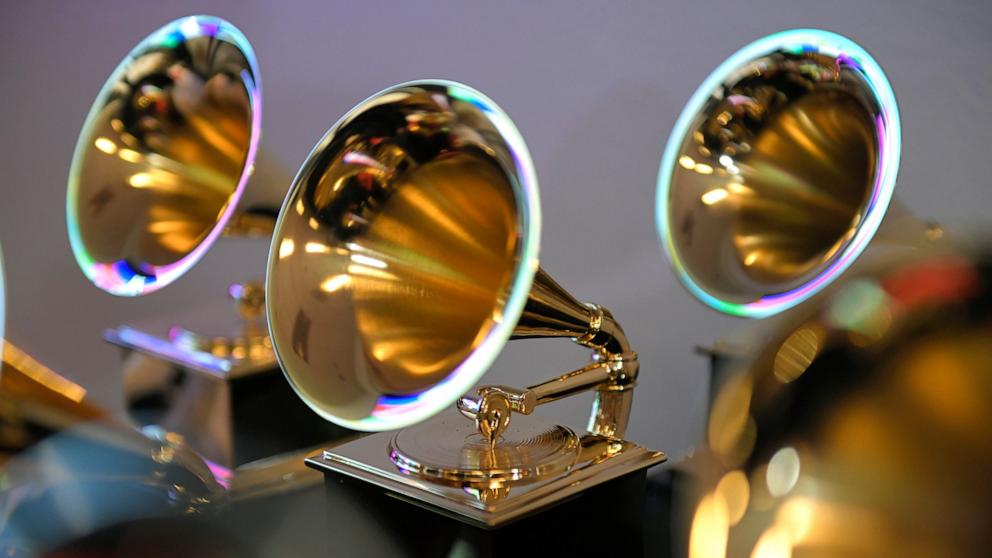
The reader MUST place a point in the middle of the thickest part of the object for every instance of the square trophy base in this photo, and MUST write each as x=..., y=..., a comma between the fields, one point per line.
x=444, y=466
x=217, y=386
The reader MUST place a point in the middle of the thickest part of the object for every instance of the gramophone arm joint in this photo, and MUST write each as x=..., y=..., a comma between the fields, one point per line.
x=613, y=370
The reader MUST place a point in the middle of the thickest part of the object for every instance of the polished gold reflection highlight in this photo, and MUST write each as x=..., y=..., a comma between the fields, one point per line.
x=403, y=261
x=423, y=273
x=35, y=401
x=450, y=229
x=775, y=177
x=859, y=449
x=797, y=353
x=159, y=161
x=408, y=258
x=528, y=452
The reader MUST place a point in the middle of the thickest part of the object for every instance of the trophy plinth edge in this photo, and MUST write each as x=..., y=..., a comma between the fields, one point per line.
x=599, y=459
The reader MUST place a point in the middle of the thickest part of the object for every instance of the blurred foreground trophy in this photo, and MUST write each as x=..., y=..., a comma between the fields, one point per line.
x=403, y=260
x=76, y=481
x=68, y=469
x=778, y=174
x=160, y=171
x=862, y=431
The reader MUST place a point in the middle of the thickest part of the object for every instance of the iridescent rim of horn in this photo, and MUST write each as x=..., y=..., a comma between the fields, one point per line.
x=889, y=146
x=118, y=277
x=392, y=411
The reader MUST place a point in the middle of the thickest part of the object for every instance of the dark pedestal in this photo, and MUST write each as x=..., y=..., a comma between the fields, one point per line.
x=606, y=520
x=229, y=411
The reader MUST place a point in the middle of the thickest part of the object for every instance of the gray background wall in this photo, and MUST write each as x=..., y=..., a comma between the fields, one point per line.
x=593, y=86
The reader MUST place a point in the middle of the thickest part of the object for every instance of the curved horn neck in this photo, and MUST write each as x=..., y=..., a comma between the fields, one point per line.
x=259, y=205
x=552, y=312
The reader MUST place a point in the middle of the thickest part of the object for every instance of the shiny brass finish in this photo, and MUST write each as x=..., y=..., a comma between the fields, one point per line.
x=803, y=183
x=403, y=260
x=163, y=156
x=862, y=431
x=244, y=342
x=491, y=501
x=405, y=236
x=525, y=454
x=552, y=312
x=393, y=253
x=36, y=401
x=779, y=172
x=160, y=172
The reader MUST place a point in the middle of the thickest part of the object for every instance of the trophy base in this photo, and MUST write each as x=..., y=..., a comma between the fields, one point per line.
x=222, y=404
x=211, y=340
x=527, y=452
x=477, y=485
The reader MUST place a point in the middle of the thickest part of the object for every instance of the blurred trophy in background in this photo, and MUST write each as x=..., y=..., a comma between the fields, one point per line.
x=862, y=431
x=68, y=469
x=161, y=170
x=76, y=481
x=777, y=177
x=403, y=260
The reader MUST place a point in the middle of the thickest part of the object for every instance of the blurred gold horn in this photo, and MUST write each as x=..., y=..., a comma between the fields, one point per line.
x=405, y=257
x=167, y=161
x=814, y=449
x=779, y=171
x=164, y=156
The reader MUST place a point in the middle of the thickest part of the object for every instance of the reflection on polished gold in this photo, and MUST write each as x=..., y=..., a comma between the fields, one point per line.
x=779, y=172
x=182, y=128
x=446, y=241
x=875, y=449
x=454, y=453
x=407, y=249
x=35, y=401
x=403, y=260
x=781, y=169
x=797, y=353
x=398, y=265
x=163, y=155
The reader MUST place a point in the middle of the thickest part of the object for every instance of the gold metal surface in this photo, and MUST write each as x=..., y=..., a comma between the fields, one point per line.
x=244, y=341
x=598, y=459
x=394, y=257
x=163, y=152
x=450, y=450
x=402, y=261
x=552, y=312
x=35, y=401
x=860, y=432
x=161, y=170
x=775, y=176
x=393, y=253
x=779, y=172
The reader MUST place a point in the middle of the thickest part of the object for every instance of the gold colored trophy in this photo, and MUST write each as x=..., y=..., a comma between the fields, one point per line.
x=160, y=172
x=779, y=172
x=776, y=179
x=404, y=258
x=860, y=431
x=34, y=400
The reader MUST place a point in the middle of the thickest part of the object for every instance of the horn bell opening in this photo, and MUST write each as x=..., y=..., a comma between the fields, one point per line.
x=403, y=255
x=164, y=155
x=778, y=172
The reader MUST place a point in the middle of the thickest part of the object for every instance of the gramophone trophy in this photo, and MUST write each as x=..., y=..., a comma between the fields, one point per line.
x=161, y=170
x=815, y=448
x=402, y=261
x=777, y=176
